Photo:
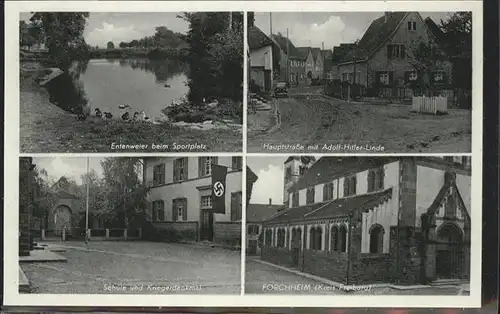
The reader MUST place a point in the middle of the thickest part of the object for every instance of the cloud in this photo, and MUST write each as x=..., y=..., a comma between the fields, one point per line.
x=332, y=32
x=70, y=167
x=269, y=185
x=110, y=32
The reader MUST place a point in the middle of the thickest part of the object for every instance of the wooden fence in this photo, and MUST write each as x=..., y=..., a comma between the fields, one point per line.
x=432, y=105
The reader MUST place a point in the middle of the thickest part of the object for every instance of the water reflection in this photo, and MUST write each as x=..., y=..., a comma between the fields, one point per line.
x=142, y=84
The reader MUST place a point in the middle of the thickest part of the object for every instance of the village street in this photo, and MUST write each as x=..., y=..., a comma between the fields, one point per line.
x=262, y=278
x=138, y=268
x=312, y=120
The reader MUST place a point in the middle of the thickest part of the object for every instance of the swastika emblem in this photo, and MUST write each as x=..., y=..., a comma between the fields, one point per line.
x=218, y=189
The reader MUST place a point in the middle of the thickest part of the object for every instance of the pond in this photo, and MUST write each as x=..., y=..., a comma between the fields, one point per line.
x=108, y=84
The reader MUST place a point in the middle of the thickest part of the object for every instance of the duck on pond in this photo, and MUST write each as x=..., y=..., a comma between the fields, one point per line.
x=98, y=112
x=144, y=117
x=123, y=106
x=81, y=117
x=126, y=116
x=136, y=116
x=108, y=115
x=167, y=86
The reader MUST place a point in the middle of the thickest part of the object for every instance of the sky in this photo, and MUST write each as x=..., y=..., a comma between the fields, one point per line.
x=270, y=173
x=311, y=28
x=70, y=167
x=117, y=27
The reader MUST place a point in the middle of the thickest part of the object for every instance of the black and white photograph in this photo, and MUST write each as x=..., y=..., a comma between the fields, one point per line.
x=360, y=82
x=394, y=225
x=131, y=82
x=130, y=225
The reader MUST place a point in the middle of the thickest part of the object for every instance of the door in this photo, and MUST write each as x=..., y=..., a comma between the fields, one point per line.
x=450, y=255
x=267, y=80
x=252, y=247
x=62, y=219
x=207, y=225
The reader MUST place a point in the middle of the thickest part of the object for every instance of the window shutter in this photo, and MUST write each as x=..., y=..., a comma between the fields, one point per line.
x=346, y=186
x=174, y=210
x=403, y=52
x=353, y=190
x=391, y=78
x=233, y=206
x=185, y=168
x=389, y=51
x=200, y=166
x=184, y=209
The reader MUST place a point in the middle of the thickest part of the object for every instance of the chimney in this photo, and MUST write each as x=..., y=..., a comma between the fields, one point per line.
x=387, y=15
x=270, y=201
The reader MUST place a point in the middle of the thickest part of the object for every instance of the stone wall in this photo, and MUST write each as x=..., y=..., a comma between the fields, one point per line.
x=228, y=233
x=371, y=268
x=278, y=256
x=329, y=265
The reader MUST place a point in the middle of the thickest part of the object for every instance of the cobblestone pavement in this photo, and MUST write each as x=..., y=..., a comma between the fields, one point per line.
x=266, y=279
x=313, y=120
x=138, y=268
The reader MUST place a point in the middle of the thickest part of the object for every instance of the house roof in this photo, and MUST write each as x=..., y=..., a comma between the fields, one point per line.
x=294, y=213
x=339, y=53
x=285, y=43
x=376, y=34
x=302, y=52
x=332, y=209
x=257, y=39
x=327, y=169
x=261, y=212
x=251, y=176
x=305, y=159
x=343, y=206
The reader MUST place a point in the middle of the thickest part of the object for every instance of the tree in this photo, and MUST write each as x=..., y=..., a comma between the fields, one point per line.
x=123, y=44
x=110, y=45
x=125, y=193
x=63, y=32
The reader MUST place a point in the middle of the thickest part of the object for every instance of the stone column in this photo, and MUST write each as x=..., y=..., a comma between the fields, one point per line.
x=25, y=205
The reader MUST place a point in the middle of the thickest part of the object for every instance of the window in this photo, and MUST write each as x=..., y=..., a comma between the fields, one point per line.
x=466, y=161
x=206, y=202
x=253, y=229
x=295, y=199
x=334, y=238
x=310, y=195
x=315, y=237
x=342, y=239
x=179, y=209
x=281, y=238
x=268, y=237
x=450, y=207
x=438, y=76
x=349, y=186
x=302, y=170
x=288, y=173
x=159, y=174
x=396, y=51
x=376, y=179
x=376, y=239
x=411, y=76
x=180, y=169
x=345, y=77
x=448, y=158
x=236, y=206
x=384, y=78
x=328, y=192
x=205, y=165
x=158, y=211
x=237, y=163
x=412, y=26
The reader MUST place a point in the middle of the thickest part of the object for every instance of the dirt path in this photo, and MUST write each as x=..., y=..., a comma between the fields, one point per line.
x=309, y=121
x=45, y=128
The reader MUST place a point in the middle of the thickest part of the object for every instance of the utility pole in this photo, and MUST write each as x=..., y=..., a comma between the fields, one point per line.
x=87, y=206
x=323, y=57
x=230, y=20
x=287, y=58
x=271, y=24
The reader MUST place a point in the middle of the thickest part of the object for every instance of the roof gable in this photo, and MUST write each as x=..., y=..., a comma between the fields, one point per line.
x=261, y=212
x=284, y=43
x=257, y=39
x=303, y=52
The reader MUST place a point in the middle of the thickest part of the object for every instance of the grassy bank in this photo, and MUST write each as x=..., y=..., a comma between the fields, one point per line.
x=45, y=128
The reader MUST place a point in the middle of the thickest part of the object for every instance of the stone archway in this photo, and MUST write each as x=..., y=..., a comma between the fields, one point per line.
x=450, y=252
x=62, y=219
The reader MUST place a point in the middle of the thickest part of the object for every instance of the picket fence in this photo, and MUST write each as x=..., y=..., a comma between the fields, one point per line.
x=432, y=105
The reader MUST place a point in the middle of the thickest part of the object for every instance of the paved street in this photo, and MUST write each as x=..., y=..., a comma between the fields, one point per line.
x=266, y=279
x=310, y=119
x=138, y=268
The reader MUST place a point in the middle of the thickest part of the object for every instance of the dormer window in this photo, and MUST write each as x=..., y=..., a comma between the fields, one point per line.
x=412, y=26
x=375, y=179
x=350, y=186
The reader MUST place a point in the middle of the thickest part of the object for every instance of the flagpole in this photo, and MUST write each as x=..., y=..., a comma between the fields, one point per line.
x=87, y=206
